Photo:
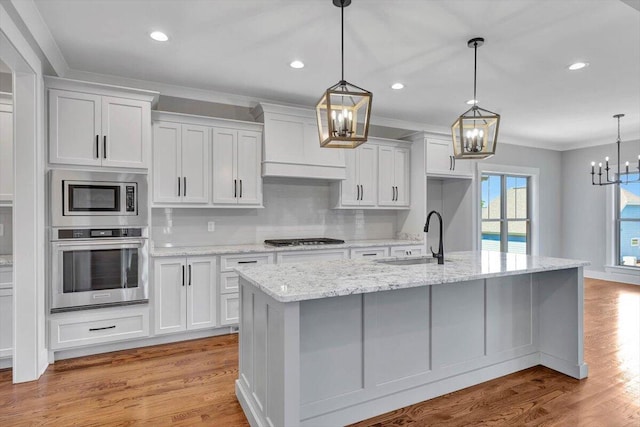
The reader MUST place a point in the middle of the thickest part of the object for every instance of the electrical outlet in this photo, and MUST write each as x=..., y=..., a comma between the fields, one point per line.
x=211, y=226
x=1, y=230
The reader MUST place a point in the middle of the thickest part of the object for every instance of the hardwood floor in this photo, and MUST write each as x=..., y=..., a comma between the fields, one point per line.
x=193, y=383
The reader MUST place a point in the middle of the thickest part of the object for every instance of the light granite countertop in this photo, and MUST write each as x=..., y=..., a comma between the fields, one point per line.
x=6, y=260
x=258, y=248
x=313, y=280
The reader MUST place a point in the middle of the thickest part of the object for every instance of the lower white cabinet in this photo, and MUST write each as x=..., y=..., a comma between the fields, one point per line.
x=374, y=252
x=184, y=294
x=6, y=313
x=410, y=250
x=312, y=255
x=229, y=309
x=100, y=326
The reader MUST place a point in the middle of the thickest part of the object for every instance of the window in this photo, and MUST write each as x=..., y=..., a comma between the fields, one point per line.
x=628, y=223
x=506, y=220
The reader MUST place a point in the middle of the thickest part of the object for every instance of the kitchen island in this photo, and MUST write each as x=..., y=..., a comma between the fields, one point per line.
x=330, y=343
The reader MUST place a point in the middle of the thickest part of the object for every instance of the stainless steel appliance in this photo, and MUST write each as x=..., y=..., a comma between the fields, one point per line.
x=99, y=267
x=91, y=199
x=305, y=241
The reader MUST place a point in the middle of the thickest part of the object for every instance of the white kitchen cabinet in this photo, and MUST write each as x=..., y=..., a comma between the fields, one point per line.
x=6, y=148
x=409, y=250
x=180, y=163
x=184, y=294
x=6, y=317
x=229, y=286
x=441, y=162
x=292, y=146
x=98, y=125
x=236, y=167
x=360, y=187
x=393, y=176
x=368, y=253
x=312, y=255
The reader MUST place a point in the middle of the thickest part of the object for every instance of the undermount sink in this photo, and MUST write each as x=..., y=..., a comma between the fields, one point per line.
x=409, y=261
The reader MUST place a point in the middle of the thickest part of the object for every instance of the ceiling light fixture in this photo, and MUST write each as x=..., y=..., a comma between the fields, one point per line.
x=344, y=110
x=397, y=86
x=297, y=64
x=159, y=36
x=618, y=176
x=475, y=132
x=578, y=66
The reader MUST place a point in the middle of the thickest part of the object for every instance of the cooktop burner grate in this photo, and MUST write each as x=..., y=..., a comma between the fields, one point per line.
x=300, y=242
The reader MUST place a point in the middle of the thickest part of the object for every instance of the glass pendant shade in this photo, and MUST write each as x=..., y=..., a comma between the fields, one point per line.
x=475, y=134
x=343, y=115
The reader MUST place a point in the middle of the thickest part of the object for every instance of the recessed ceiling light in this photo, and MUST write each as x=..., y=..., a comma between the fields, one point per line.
x=472, y=101
x=397, y=86
x=578, y=66
x=159, y=36
x=297, y=64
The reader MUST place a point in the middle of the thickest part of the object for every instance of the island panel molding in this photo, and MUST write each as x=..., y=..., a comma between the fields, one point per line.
x=328, y=358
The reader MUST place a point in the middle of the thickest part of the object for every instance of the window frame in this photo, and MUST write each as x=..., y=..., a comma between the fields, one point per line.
x=617, y=220
x=533, y=197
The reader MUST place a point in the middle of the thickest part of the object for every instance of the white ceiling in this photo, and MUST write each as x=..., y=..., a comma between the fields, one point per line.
x=244, y=47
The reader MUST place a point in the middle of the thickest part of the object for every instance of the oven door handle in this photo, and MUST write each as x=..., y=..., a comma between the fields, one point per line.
x=106, y=244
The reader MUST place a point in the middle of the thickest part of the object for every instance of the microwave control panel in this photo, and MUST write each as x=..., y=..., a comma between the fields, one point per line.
x=131, y=198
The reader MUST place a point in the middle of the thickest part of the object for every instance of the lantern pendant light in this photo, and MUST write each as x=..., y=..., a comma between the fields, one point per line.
x=344, y=110
x=475, y=133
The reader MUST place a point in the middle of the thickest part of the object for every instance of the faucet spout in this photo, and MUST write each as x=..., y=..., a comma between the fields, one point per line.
x=440, y=254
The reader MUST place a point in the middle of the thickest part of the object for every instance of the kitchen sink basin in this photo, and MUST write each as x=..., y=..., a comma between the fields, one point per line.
x=410, y=261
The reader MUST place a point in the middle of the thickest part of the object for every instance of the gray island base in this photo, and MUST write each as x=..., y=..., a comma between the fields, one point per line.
x=331, y=343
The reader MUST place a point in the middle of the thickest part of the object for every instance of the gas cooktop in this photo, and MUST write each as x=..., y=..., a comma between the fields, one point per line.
x=307, y=241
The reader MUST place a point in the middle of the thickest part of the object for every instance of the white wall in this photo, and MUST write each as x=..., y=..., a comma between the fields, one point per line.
x=293, y=208
x=584, y=206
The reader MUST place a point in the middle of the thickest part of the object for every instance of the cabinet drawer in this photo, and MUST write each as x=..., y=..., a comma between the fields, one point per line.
x=309, y=256
x=77, y=329
x=229, y=283
x=6, y=277
x=370, y=252
x=229, y=262
x=229, y=309
x=407, y=250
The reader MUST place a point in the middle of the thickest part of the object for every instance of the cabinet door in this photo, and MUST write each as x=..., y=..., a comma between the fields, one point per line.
x=229, y=309
x=6, y=152
x=386, y=174
x=166, y=162
x=225, y=181
x=349, y=190
x=368, y=174
x=201, y=292
x=439, y=156
x=169, y=282
x=6, y=322
x=75, y=128
x=400, y=251
x=249, y=156
x=125, y=132
x=401, y=176
x=195, y=164
x=463, y=167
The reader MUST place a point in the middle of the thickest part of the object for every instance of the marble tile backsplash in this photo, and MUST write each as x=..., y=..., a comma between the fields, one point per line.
x=292, y=209
x=6, y=240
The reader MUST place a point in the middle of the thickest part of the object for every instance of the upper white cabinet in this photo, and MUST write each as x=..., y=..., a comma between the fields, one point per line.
x=292, y=146
x=184, y=294
x=393, y=176
x=180, y=163
x=6, y=148
x=236, y=167
x=360, y=187
x=441, y=162
x=98, y=125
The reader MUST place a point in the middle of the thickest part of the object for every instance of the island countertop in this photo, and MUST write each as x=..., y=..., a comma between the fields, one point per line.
x=313, y=280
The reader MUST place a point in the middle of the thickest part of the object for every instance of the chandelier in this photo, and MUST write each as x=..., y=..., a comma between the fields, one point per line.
x=618, y=176
x=344, y=110
x=475, y=132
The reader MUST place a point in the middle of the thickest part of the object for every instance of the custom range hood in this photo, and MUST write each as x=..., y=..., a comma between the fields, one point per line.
x=291, y=148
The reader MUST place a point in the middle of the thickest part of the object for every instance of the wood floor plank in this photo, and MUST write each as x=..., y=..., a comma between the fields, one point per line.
x=192, y=383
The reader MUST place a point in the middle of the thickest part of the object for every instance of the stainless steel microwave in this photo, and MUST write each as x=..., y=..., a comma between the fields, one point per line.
x=90, y=199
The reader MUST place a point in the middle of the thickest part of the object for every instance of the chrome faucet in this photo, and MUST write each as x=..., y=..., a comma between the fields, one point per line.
x=440, y=254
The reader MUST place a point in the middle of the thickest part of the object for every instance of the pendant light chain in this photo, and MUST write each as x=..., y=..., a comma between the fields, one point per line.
x=342, y=35
x=475, y=71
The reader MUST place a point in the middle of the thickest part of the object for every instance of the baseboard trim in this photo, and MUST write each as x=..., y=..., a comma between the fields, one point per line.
x=612, y=277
